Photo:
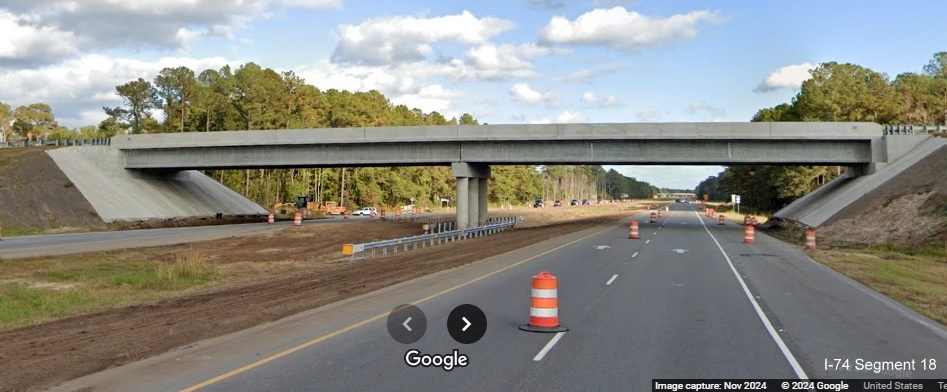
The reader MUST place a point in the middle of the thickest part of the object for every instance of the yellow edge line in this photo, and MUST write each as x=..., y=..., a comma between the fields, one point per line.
x=375, y=318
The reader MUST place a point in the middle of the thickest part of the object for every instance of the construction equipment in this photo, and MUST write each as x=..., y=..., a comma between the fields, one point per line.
x=331, y=208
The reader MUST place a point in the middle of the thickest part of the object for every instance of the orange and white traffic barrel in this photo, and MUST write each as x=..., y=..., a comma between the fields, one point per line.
x=746, y=219
x=270, y=219
x=810, y=239
x=654, y=217
x=722, y=218
x=633, y=230
x=382, y=214
x=659, y=213
x=544, y=305
x=298, y=219
x=749, y=234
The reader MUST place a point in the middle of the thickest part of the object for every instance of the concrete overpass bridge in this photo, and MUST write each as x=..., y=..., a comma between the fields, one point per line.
x=863, y=147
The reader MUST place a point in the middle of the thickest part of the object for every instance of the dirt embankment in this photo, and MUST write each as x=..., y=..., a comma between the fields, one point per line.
x=908, y=211
x=36, y=197
x=268, y=277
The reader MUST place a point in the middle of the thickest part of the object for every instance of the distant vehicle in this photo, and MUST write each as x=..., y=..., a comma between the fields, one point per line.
x=558, y=203
x=539, y=203
x=586, y=202
x=679, y=201
x=366, y=211
x=574, y=202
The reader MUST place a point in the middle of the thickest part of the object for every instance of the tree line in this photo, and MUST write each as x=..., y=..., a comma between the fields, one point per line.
x=835, y=92
x=255, y=98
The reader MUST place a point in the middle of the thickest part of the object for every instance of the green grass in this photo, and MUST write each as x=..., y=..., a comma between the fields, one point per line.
x=916, y=277
x=17, y=230
x=40, y=290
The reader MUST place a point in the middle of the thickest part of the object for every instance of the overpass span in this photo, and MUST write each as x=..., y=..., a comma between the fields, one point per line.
x=152, y=176
x=615, y=144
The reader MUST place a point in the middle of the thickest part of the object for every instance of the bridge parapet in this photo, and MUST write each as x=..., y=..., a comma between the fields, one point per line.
x=913, y=129
x=514, y=132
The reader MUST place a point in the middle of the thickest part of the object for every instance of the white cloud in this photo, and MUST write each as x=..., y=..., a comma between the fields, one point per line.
x=624, y=30
x=79, y=87
x=496, y=62
x=790, y=76
x=62, y=29
x=609, y=101
x=26, y=44
x=613, y=3
x=401, y=39
x=649, y=116
x=587, y=75
x=571, y=117
x=313, y=4
x=431, y=98
x=564, y=117
x=521, y=92
x=706, y=110
x=549, y=4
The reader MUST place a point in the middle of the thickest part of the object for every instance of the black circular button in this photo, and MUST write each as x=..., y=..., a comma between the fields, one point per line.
x=467, y=324
x=406, y=324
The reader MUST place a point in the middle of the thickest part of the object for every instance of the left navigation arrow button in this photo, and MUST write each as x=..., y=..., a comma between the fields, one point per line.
x=406, y=324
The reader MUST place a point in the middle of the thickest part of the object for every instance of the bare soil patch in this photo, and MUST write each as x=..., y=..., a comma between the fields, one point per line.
x=36, y=196
x=265, y=278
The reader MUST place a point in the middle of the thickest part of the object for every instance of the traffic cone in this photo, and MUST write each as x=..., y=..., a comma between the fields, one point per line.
x=633, y=230
x=270, y=219
x=544, y=305
x=748, y=234
x=298, y=219
x=654, y=217
x=722, y=218
x=810, y=239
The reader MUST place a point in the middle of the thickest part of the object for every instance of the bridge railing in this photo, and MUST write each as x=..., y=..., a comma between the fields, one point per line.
x=913, y=129
x=370, y=249
x=58, y=142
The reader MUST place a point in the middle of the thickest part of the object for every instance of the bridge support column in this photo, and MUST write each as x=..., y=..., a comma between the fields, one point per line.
x=482, y=208
x=471, y=193
x=463, y=220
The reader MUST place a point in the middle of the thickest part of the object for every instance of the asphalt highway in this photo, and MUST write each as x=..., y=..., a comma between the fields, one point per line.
x=687, y=300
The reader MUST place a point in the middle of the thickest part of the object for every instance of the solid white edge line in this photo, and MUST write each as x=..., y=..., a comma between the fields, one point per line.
x=796, y=367
x=634, y=255
x=609, y=283
x=549, y=346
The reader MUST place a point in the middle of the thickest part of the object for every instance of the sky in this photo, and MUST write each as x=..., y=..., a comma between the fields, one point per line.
x=504, y=61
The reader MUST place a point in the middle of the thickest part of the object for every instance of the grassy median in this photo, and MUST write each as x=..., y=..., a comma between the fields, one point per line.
x=41, y=289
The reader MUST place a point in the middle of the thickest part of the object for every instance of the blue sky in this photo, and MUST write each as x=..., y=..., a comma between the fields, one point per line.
x=510, y=61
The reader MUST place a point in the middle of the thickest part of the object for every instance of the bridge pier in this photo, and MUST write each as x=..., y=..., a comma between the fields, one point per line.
x=471, y=193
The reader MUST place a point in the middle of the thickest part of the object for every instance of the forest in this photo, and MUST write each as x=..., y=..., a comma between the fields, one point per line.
x=251, y=97
x=835, y=92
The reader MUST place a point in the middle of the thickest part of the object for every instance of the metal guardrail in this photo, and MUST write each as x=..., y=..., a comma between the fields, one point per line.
x=63, y=142
x=913, y=129
x=431, y=239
